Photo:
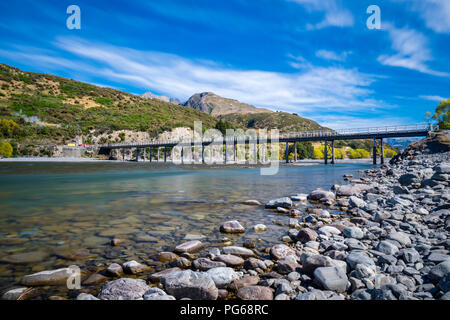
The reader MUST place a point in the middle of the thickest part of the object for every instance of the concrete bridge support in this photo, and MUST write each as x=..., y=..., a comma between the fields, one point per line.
x=332, y=153
x=165, y=154
x=287, y=152
x=374, y=151
x=137, y=154
x=203, y=154
x=325, y=153
x=381, y=151
x=295, y=151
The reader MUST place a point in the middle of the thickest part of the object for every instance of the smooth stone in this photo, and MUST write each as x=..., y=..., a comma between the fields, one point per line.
x=238, y=251
x=190, y=246
x=281, y=202
x=95, y=278
x=400, y=237
x=331, y=278
x=167, y=256
x=321, y=195
x=205, y=264
x=190, y=284
x=86, y=296
x=124, y=289
x=306, y=234
x=181, y=262
x=255, y=293
x=47, y=278
x=329, y=230
x=355, y=258
x=114, y=269
x=222, y=276
x=252, y=202
x=280, y=251
x=353, y=232
x=259, y=228
x=134, y=267
x=232, y=226
x=230, y=260
x=156, y=277
x=14, y=294
x=244, y=282
x=387, y=248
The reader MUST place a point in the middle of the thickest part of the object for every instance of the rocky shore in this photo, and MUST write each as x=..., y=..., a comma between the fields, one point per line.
x=383, y=236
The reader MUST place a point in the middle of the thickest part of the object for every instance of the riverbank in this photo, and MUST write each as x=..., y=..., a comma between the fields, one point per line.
x=385, y=236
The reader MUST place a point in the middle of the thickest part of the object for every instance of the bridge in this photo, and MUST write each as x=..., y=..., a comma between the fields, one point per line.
x=328, y=136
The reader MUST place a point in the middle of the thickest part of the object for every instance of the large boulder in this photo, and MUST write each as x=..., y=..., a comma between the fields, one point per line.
x=190, y=284
x=351, y=190
x=281, y=202
x=47, y=278
x=321, y=195
x=222, y=276
x=331, y=278
x=124, y=289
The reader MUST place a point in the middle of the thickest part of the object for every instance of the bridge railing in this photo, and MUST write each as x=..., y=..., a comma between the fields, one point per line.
x=303, y=134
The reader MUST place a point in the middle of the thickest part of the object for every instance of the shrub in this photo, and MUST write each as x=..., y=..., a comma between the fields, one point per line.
x=317, y=153
x=8, y=128
x=6, y=149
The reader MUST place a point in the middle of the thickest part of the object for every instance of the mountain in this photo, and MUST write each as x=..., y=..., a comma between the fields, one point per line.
x=283, y=121
x=401, y=143
x=151, y=95
x=215, y=105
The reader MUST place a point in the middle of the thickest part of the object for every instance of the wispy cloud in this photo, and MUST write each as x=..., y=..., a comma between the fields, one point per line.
x=331, y=55
x=314, y=90
x=435, y=13
x=335, y=14
x=411, y=49
x=432, y=98
x=346, y=121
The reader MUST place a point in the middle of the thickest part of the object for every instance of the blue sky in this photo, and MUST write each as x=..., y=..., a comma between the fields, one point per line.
x=315, y=58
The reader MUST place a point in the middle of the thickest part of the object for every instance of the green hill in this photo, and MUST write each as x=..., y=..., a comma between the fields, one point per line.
x=283, y=121
x=50, y=109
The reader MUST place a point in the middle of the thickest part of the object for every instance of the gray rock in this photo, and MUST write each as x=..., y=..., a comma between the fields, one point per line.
x=281, y=202
x=124, y=289
x=355, y=258
x=331, y=278
x=356, y=202
x=255, y=293
x=280, y=251
x=232, y=227
x=204, y=264
x=321, y=195
x=190, y=247
x=222, y=276
x=134, y=267
x=190, y=284
x=47, y=278
x=410, y=255
x=439, y=271
x=387, y=247
x=400, y=237
x=86, y=296
x=353, y=232
x=238, y=251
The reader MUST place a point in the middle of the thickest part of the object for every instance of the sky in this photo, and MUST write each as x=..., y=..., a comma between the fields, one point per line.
x=315, y=58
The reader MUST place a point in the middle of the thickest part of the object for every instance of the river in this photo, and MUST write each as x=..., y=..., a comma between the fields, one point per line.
x=59, y=214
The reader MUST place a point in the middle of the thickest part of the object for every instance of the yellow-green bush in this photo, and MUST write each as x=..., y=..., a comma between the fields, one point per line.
x=8, y=128
x=317, y=153
x=6, y=149
x=388, y=153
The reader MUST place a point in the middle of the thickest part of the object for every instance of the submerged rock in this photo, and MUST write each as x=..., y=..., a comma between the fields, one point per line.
x=190, y=246
x=232, y=226
x=124, y=289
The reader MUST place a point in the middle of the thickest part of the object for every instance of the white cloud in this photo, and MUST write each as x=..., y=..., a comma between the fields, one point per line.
x=335, y=14
x=345, y=122
x=412, y=51
x=435, y=13
x=331, y=55
x=432, y=98
x=312, y=90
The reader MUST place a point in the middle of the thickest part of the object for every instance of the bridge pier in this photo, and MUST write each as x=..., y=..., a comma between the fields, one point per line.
x=287, y=152
x=226, y=149
x=325, y=153
x=381, y=151
x=295, y=151
x=182, y=155
x=374, y=151
x=234, y=149
x=144, y=155
x=203, y=153
x=165, y=154
x=123, y=154
x=332, y=153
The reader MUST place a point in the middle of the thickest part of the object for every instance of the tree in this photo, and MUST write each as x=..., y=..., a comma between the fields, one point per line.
x=6, y=149
x=317, y=153
x=441, y=114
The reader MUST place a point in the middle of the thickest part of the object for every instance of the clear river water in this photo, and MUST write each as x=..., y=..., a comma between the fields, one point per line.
x=58, y=214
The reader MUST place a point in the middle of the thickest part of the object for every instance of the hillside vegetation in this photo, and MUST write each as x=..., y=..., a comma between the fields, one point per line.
x=51, y=109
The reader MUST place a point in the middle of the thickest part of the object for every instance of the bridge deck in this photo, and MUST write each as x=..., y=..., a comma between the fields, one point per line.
x=416, y=130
